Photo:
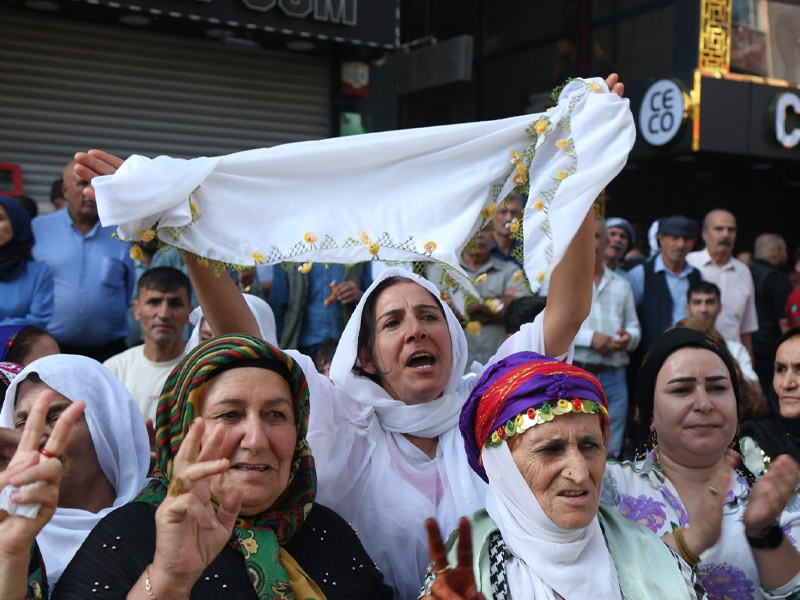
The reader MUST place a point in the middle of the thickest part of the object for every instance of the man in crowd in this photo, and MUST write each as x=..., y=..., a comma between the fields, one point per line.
x=311, y=309
x=162, y=308
x=504, y=246
x=498, y=282
x=621, y=238
x=610, y=330
x=660, y=285
x=703, y=303
x=92, y=273
x=737, y=319
x=772, y=289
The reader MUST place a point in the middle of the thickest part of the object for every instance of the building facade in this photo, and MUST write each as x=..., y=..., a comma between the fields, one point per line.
x=719, y=130
x=185, y=78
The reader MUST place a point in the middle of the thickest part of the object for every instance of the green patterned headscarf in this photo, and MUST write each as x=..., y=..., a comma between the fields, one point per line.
x=258, y=538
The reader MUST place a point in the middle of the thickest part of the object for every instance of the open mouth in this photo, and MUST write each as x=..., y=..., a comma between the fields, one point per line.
x=573, y=494
x=246, y=468
x=421, y=361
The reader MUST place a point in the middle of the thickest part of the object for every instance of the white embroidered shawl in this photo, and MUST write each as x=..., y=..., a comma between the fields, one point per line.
x=415, y=194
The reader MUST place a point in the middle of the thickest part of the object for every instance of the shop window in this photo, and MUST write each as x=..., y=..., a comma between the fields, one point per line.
x=523, y=82
x=604, y=8
x=765, y=39
x=511, y=23
x=636, y=48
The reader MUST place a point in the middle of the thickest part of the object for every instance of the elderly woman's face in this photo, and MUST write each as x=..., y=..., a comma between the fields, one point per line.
x=563, y=462
x=694, y=410
x=255, y=407
x=82, y=475
x=786, y=380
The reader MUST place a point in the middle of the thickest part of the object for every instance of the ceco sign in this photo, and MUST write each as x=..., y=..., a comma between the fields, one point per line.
x=784, y=102
x=662, y=113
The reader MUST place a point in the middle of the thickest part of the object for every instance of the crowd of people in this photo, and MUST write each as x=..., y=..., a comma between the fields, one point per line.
x=285, y=430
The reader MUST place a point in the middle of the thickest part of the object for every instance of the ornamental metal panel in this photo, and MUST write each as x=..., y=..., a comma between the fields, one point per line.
x=70, y=85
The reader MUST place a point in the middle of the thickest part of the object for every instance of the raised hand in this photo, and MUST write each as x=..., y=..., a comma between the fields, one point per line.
x=189, y=533
x=705, y=515
x=32, y=465
x=615, y=86
x=457, y=583
x=93, y=163
x=770, y=494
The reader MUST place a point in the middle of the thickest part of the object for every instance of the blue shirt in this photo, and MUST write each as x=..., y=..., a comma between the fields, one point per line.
x=27, y=295
x=678, y=286
x=93, y=278
x=496, y=253
x=321, y=323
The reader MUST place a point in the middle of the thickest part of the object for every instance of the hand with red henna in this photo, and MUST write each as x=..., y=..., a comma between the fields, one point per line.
x=457, y=583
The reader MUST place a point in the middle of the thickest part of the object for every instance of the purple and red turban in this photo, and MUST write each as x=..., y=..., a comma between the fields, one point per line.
x=521, y=391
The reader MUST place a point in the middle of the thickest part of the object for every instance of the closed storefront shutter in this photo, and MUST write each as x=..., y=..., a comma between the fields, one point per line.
x=69, y=85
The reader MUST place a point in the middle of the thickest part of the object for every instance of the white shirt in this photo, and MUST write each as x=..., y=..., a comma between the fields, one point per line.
x=740, y=354
x=142, y=377
x=737, y=293
x=613, y=308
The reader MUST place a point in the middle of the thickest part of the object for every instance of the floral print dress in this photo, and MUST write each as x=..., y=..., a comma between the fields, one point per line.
x=727, y=570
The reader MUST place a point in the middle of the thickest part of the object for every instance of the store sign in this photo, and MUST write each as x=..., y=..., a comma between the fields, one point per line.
x=662, y=112
x=786, y=101
x=333, y=11
x=371, y=23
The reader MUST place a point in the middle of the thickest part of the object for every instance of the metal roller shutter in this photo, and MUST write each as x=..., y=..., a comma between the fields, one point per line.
x=70, y=85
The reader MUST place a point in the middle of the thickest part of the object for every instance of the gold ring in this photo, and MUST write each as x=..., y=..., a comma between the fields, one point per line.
x=431, y=569
x=175, y=487
x=713, y=491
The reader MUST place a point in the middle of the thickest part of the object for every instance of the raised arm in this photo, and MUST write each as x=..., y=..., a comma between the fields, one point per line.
x=569, y=298
x=777, y=565
x=189, y=533
x=223, y=305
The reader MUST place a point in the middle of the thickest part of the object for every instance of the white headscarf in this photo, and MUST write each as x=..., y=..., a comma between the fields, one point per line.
x=547, y=558
x=119, y=437
x=429, y=419
x=261, y=311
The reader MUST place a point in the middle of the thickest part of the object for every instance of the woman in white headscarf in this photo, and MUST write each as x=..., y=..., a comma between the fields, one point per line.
x=260, y=310
x=535, y=429
x=106, y=459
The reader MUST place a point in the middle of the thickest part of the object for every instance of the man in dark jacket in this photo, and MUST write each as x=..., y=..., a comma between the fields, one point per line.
x=772, y=289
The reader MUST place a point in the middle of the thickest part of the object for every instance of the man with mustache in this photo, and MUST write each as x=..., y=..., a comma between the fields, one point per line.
x=738, y=318
x=621, y=237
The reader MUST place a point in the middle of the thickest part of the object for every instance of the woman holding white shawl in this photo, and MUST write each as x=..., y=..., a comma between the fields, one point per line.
x=384, y=431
